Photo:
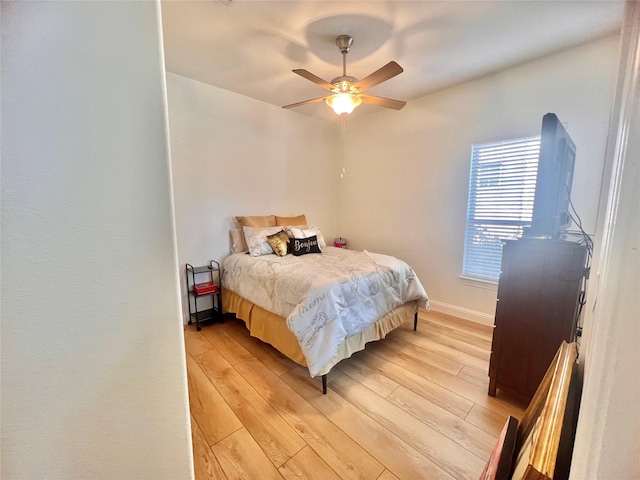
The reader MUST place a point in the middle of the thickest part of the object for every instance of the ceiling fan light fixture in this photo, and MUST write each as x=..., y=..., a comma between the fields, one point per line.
x=343, y=102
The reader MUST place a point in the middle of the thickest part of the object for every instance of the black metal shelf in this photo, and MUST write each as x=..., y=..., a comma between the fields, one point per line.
x=215, y=313
x=200, y=295
x=212, y=267
x=204, y=315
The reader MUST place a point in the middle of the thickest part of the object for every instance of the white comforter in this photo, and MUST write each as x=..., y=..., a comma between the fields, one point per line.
x=325, y=297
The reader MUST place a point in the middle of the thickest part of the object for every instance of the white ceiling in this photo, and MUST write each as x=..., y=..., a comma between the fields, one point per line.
x=250, y=47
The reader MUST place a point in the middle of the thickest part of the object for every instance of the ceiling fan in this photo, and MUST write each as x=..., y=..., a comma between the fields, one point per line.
x=347, y=92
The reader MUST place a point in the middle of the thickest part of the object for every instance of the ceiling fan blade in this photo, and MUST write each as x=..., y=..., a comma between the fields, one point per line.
x=383, y=102
x=314, y=78
x=390, y=70
x=306, y=102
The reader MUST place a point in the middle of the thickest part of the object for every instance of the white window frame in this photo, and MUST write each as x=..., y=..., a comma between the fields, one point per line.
x=502, y=184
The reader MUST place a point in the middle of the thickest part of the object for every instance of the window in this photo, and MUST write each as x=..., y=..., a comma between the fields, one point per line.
x=502, y=189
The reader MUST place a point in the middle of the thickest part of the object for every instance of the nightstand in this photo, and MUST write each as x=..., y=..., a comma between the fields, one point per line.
x=204, y=283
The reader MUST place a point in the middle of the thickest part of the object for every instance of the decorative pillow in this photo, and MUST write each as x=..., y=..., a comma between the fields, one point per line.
x=257, y=239
x=288, y=221
x=255, y=221
x=302, y=232
x=302, y=246
x=279, y=243
x=236, y=236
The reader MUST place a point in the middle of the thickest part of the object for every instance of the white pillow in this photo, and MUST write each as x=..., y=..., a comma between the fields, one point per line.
x=256, y=238
x=306, y=232
x=236, y=240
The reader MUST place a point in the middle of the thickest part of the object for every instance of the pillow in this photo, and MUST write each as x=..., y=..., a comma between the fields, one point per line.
x=279, y=243
x=255, y=221
x=257, y=239
x=297, y=228
x=236, y=236
x=302, y=246
x=287, y=221
x=302, y=232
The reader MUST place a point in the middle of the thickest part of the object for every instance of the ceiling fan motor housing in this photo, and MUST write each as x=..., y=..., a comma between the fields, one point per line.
x=345, y=84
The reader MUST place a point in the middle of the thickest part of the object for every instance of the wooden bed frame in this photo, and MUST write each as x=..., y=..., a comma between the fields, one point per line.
x=272, y=329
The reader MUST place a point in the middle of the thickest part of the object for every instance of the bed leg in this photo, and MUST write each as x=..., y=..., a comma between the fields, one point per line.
x=415, y=322
x=324, y=384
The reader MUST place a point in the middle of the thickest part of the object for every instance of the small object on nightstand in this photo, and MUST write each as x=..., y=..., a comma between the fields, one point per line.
x=204, y=288
x=340, y=242
x=204, y=282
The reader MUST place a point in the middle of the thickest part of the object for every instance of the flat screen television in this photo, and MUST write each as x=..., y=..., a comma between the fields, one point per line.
x=551, y=215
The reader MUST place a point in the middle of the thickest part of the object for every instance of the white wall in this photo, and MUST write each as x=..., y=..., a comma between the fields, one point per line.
x=232, y=155
x=408, y=171
x=93, y=365
x=608, y=435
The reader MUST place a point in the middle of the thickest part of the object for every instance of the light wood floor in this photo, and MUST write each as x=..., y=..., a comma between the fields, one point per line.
x=411, y=406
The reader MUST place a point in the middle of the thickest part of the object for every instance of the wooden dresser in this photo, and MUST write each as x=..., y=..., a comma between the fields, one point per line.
x=538, y=299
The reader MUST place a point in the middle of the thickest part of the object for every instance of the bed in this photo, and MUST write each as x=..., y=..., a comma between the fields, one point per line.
x=319, y=306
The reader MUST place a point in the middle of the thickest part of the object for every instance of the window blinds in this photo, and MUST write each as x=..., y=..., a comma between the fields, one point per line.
x=502, y=188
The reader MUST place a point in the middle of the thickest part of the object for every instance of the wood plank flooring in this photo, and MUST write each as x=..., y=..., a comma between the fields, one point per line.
x=411, y=406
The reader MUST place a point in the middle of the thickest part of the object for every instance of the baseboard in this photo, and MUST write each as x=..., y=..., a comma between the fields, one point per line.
x=461, y=312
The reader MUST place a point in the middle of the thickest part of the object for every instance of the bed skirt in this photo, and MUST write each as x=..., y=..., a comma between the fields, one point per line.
x=272, y=328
